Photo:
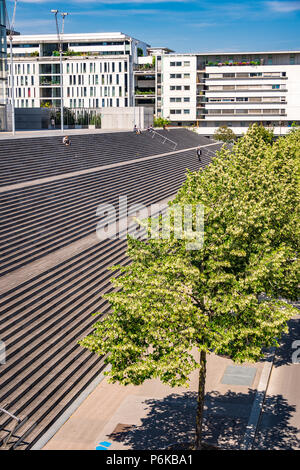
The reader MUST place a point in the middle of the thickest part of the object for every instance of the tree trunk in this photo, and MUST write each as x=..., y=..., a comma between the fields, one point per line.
x=200, y=400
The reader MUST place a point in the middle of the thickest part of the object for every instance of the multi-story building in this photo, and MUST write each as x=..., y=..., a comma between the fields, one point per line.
x=231, y=89
x=3, y=89
x=115, y=70
x=97, y=70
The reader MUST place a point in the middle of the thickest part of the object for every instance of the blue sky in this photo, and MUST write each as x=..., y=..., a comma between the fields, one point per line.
x=182, y=25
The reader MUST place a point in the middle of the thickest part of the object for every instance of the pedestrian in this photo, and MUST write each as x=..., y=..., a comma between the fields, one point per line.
x=52, y=122
x=66, y=140
x=135, y=129
x=199, y=153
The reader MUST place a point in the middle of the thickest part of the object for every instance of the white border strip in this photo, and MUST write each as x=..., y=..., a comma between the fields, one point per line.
x=257, y=406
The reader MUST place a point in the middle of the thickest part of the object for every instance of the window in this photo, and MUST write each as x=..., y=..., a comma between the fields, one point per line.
x=275, y=87
x=216, y=75
x=187, y=87
x=175, y=64
x=186, y=111
x=175, y=75
x=175, y=111
x=186, y=100
x=175, y=87
x=292, y=60
x=175, y=100
x=270, y=60
x=186, y=75
x=186, y=63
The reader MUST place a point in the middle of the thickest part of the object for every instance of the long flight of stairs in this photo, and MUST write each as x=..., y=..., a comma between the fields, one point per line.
x=43, y=314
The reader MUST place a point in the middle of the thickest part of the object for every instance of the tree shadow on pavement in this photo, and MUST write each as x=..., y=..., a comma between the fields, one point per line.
x=171, y=420
x=285, y=351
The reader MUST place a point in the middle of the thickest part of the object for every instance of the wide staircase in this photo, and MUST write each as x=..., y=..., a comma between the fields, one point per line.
x=45, y=157
x=45, y=311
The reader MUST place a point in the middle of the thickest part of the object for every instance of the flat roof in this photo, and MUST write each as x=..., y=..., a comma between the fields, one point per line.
x=235, y=53
x=73, y=37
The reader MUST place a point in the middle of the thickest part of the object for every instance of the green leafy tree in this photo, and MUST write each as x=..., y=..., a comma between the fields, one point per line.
x=225, y=134
x=160, y=122
x=225, y=298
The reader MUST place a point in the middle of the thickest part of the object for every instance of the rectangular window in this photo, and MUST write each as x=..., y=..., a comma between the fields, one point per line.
x=175, y=75
x=186, y=100
x=186, y=111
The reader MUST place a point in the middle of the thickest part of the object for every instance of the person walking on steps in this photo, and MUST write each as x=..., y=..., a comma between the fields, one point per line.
x=199, y=154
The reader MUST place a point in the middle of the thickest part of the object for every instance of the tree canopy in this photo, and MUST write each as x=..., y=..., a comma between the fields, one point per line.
x=225, y=134
x=226, y=298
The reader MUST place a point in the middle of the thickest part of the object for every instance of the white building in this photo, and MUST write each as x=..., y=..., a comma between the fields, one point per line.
x=97, y=70
x=231, y=89
x=115, y=70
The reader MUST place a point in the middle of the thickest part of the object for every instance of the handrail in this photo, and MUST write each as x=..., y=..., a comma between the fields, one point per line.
x=163, y=137
x=11, y=433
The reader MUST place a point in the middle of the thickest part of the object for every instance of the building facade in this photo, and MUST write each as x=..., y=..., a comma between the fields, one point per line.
x=236, y=90
x=97, y=70
x=3, y=84
x=203, y=90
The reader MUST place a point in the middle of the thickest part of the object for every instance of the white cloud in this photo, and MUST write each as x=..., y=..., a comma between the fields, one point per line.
x=284, y=7
x=203, y=25
x=111, y=2
x=116, y=12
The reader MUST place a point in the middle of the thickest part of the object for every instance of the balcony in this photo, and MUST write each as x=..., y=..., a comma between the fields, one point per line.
x=144, y=68
x=229, y=63
x=144, y=93
x=50, y=81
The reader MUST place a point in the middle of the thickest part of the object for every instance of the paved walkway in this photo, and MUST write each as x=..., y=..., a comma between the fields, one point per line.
x=279, y=426
x=153, y=416
x=29, y=134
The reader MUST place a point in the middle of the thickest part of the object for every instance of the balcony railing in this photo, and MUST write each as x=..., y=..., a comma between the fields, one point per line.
x=144, y=68
x=230, y=63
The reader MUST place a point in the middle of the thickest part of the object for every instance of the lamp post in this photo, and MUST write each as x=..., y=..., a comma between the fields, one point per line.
x=12, y=84
x=59, y=37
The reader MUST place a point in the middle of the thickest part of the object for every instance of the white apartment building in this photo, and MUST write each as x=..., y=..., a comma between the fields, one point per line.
x=236, y=90
x=97, y=70
x=115, y=70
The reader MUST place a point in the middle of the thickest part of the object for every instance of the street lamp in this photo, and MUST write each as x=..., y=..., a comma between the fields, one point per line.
x=59, y=37
x=12, y=87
